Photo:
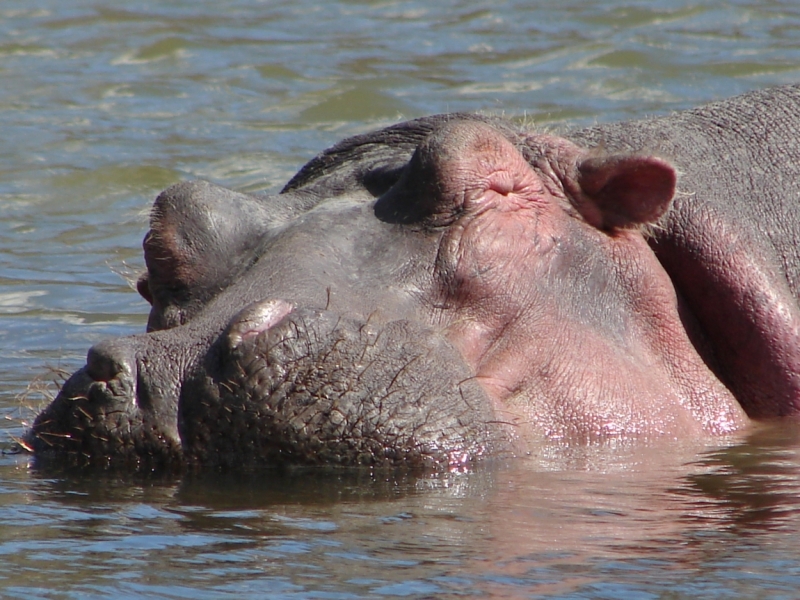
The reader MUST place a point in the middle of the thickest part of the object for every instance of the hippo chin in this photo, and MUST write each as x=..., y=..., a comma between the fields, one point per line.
x=456, y=287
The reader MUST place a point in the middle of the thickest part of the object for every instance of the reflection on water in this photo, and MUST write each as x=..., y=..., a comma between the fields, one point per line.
x=595, y=521
x=102, y=106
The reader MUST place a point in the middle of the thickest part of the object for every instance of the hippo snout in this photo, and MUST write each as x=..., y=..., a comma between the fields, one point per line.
x=102, y=416
x=278, y=385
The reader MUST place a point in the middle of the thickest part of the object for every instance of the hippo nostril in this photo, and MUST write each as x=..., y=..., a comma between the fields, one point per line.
x=256, y=318
x=143, y=287
x=105, y=361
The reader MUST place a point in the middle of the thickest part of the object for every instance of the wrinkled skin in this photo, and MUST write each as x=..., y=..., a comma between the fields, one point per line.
x=455, y=287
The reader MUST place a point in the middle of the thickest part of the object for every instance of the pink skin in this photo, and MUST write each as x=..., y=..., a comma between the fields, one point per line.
x=573, y=330
x=746, y=306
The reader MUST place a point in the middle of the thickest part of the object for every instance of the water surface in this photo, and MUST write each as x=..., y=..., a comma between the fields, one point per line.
x=104, y=104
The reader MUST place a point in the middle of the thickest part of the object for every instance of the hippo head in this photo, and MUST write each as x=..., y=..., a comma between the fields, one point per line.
x=441, y=290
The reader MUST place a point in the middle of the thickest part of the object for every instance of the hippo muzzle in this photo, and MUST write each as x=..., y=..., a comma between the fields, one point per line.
x=278, y=386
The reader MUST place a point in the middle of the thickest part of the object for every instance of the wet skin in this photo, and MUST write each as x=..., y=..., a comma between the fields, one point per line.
x=456, y=287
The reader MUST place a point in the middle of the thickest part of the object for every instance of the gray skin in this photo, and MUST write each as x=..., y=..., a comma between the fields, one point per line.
x=456, y=287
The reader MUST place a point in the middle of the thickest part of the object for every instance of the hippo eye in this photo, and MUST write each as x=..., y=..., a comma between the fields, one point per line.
x=421, y=193
x=405, y=203
x=451, y=172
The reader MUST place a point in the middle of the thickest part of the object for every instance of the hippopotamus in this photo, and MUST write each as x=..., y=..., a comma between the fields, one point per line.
x=459, y=287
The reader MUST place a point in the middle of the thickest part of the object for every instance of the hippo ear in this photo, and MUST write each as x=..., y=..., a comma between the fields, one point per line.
x=626, y=189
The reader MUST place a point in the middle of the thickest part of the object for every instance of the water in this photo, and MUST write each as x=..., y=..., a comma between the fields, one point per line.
x=104, y=104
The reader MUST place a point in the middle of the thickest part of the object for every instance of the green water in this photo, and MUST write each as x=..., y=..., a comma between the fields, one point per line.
x=104, y=104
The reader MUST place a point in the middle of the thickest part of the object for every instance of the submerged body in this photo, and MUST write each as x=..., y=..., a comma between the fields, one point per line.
x=456, y=287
